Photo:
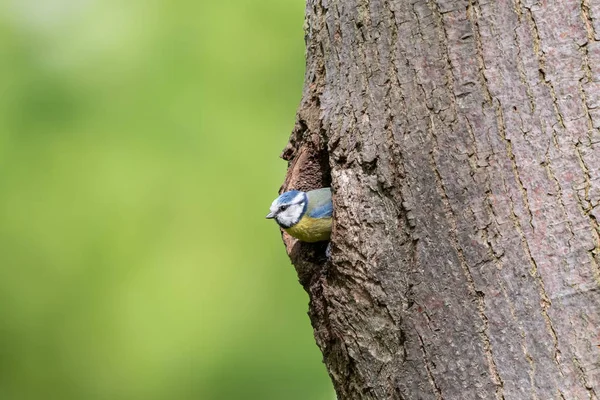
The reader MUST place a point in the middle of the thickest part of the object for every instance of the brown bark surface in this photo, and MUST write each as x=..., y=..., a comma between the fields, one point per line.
x=462, y=143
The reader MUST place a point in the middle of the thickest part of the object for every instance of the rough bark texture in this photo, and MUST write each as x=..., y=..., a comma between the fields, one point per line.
x=462, y=143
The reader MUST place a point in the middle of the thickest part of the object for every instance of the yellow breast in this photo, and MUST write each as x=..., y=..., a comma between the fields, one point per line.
x=311, y=229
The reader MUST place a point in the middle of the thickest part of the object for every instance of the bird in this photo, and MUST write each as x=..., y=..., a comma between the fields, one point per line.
x=304, y=215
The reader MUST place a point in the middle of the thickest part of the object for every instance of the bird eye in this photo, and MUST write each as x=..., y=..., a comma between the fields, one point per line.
x=284, y=207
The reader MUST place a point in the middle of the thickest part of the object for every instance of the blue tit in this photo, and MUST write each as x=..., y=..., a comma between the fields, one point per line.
x=304, y=215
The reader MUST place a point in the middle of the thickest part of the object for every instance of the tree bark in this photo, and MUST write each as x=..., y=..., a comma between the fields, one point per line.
x=462, y=143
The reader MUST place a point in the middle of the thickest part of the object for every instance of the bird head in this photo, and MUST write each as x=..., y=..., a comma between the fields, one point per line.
x=289, y=208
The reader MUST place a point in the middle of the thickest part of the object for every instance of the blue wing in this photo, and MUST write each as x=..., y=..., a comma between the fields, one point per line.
x=320, y=205
x=324, y=211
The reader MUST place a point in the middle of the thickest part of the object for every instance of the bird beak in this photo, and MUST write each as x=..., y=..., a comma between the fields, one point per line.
x=270, y=215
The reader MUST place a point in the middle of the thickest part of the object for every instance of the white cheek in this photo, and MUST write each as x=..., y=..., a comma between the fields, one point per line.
x=290, y=216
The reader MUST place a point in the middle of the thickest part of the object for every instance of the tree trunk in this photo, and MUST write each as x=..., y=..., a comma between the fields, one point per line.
x=461, y=141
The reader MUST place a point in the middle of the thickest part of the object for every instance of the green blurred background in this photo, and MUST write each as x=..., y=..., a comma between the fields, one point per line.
x=139, y=145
